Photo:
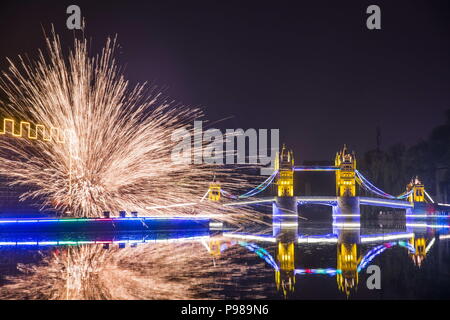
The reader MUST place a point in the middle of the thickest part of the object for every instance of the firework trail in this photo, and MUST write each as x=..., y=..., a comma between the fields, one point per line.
x=117, y=153
x=150, y=271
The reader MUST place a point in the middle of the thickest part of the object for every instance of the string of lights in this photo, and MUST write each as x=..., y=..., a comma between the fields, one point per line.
x=40, y=132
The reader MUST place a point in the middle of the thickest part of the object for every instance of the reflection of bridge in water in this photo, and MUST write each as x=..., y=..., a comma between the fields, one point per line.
x=350, y=261
x=282, y=247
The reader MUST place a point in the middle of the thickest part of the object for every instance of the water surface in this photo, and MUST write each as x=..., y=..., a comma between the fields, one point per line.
x=313, y=261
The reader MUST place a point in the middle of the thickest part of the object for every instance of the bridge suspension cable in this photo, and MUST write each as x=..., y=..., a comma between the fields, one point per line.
x=260, y=188
x=429, y=197
x=380, y=249
x=367, y=185
x=260, y=252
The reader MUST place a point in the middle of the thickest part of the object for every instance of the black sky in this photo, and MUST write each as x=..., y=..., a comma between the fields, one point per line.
x=310, y=68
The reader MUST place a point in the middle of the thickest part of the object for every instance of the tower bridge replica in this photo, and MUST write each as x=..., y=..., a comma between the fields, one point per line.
x=345, y=205
x=354, y=250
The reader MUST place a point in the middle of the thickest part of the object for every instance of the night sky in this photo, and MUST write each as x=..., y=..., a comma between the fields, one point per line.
x=310, y=68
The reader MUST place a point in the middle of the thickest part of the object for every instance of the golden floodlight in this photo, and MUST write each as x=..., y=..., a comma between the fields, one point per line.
x=284, y=165
x=418, y=191
x=345, y=176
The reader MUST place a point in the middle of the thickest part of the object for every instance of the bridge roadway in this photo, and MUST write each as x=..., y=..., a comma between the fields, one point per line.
x=331, y=201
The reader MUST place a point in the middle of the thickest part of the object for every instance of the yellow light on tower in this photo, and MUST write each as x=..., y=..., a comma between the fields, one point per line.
x=345, y=175
x=285, y=164
x=418, y=191
x=347, y=262
x=285, y=275
x=214, y=191
x=420, y=250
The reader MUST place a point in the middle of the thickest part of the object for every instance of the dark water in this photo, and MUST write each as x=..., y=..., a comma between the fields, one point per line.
x=313, y=261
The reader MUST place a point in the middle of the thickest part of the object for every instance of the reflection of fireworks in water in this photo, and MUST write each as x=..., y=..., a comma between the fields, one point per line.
x=154, y=271
x=118, y=154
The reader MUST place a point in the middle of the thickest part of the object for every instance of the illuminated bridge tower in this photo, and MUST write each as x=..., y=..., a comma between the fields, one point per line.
x=285, y=275
x=345, y=176
x=420, y=247
x=418, y=191
x=418, y=198
x=214, y=246
x=285, y=206
x=347, y=200
x=214, y=191
x=348, y=258
x=286, y=238
x=285, y=167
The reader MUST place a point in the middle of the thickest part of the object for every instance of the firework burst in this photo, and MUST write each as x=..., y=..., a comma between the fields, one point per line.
x=117, y=150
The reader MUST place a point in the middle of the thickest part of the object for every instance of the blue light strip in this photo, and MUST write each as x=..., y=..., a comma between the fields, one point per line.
x=385, y=202
x=328, y=271
x=263, y=238
x=444, y=204
x=386, y=236
x=316, y=168
x=426, y=225
x=41, y=220
x=260, y=252
x=328, y=201
x=77, y=243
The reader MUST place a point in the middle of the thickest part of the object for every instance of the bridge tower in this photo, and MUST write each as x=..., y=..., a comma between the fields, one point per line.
x=286, y=237
x=285, y=275
x=215, y=247
x=214, y=191
x=285, y=166
x=347, y=263
x=348, y=258
x=418, y=191
x=284, y=210
x=348, y=202
x=420, y=247
x=345, y=175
